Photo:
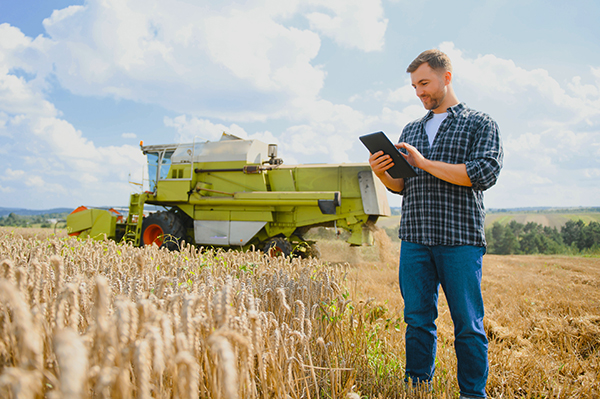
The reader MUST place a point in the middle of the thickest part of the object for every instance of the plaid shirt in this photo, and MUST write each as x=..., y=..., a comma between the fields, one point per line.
x=435, y=212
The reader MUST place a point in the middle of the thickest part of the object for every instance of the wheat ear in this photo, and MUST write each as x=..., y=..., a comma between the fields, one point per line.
x=142, y=368
x=29, y=343
x=226, y=362
x=71, y=354
x=188, y=386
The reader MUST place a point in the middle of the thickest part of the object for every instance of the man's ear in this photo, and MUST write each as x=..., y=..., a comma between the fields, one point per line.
x=447, y=77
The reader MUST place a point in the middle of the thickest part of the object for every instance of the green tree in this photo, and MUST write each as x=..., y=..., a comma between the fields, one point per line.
x=571, y=232
x=494, y=236
x=530, y=243
x=502, y=240
x=516, y=227
x=590, y=236
x=508, y=243
x=13, y=220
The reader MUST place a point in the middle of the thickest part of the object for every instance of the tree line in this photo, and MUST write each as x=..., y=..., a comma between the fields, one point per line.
x=14, y=220
x=575, y=237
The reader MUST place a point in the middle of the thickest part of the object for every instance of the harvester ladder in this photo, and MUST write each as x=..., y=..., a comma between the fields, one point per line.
x=133, y=229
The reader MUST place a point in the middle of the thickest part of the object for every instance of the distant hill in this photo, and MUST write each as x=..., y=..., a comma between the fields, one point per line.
x=547, y=209
x=35, y=212
x=551, y=219
x=32, y=212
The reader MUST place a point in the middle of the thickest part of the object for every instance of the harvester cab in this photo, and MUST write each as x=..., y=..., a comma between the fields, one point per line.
x=237, y=193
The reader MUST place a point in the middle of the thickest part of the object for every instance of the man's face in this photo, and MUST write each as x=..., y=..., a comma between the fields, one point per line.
x=430, y=86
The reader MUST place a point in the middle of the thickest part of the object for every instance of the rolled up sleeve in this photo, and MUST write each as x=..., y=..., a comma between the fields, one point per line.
x=486, y=156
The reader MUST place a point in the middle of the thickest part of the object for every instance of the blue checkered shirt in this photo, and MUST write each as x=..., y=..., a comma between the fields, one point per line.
x=435, y=212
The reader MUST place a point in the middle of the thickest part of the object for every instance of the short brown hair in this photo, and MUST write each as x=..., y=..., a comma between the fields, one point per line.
x=436, y=59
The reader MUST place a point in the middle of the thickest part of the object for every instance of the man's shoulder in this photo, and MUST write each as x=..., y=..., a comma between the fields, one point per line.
x=461, y=110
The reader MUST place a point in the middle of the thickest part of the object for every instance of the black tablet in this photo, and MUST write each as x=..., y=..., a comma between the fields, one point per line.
x=379, y=142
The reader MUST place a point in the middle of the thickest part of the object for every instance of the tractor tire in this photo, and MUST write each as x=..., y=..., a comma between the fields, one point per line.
x=164, y=229
x=278, y=246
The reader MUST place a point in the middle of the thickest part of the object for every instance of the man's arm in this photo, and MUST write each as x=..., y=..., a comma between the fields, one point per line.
x=455, y=174
x=380, y=163
x=486, y=155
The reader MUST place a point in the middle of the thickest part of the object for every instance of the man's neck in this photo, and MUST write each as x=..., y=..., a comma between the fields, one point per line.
x=449, y=101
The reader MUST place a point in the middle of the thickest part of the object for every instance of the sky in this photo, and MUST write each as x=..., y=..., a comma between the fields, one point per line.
x=82, y=82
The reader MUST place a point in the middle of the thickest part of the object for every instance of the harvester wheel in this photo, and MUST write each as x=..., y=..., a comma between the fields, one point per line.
x=306, y=249
x=278, y=246
x=164, y=229
x=313, y=250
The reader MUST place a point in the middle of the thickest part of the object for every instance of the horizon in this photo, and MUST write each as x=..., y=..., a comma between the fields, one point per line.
x=83, y=81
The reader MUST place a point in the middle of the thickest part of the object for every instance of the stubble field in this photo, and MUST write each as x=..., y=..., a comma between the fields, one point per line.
x=96, y=319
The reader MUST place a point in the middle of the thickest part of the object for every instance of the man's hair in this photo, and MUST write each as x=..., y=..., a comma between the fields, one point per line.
x=437, y=60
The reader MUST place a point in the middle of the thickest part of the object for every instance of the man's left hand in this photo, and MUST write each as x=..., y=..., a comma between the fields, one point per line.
x=414, y=157
x=455, y=174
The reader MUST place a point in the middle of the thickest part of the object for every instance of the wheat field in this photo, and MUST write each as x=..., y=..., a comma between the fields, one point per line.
x=102, y=320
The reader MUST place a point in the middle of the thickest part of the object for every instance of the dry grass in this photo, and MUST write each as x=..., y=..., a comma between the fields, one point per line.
x=542, y=320
x=97, y=319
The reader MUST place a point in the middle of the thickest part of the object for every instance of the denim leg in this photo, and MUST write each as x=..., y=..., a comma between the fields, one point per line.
x=419, y=284
x=459, y=270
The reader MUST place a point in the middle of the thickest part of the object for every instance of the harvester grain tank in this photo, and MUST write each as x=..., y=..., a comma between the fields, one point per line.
x=237, y=193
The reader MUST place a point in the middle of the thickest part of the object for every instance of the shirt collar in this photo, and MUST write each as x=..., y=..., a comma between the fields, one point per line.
x=452, y=111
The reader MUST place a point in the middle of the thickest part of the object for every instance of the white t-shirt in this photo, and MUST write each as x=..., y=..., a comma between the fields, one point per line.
x=432, y=125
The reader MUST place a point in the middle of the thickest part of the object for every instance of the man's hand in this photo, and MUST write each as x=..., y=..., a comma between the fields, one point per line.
x=452, y=173
x=380, y=163
x=413, y=157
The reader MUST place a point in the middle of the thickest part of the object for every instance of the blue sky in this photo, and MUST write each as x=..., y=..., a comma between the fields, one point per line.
x=82, y=82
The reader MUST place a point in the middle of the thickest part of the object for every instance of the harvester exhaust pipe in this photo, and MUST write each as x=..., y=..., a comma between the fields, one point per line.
x=272, y=154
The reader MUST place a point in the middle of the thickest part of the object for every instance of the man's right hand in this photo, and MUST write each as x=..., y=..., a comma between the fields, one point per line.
x=380, y=163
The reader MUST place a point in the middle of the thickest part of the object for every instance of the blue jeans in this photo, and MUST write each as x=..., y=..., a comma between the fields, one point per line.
x=458, y=269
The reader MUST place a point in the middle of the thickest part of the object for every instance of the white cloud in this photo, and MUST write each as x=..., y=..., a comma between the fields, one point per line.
x=582, y=90
x=330, y=134
x=355, y=24
x=6, y=189
x=197, y=129
x=41, y=186
x=403, y=94
x=185, y=57
x=129, y=135
x=502, y=81
x=192, y=58
x=10, y=174
x=17, y=95
x=59, y=161
x=43, y=153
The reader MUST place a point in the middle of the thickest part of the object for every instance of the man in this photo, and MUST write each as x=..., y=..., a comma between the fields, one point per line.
x=457, y=154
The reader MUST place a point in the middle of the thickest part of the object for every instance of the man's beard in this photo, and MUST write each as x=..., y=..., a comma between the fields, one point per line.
x=434, y=102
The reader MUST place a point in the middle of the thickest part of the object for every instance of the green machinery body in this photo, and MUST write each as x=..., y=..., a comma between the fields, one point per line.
x=236, y=193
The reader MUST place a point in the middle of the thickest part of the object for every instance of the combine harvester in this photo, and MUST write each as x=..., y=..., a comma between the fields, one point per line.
x=236, y=193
